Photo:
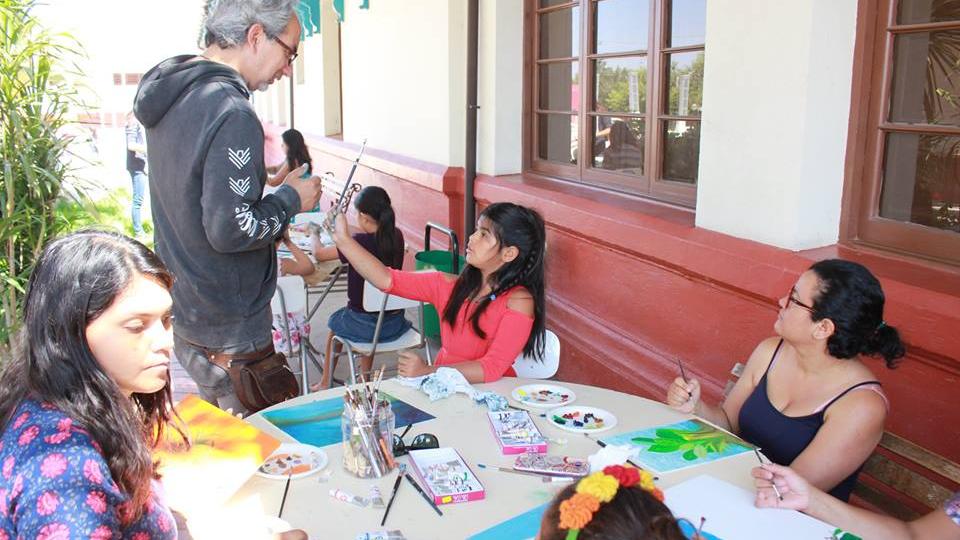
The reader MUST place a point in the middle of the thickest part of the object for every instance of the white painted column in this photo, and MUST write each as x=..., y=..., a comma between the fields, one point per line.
x=500, y=122
x=776, y=109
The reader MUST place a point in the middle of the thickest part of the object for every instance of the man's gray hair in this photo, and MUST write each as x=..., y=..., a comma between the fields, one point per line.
x=225, y=22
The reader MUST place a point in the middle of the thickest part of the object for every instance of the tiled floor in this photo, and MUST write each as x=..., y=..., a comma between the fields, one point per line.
x=183, y=385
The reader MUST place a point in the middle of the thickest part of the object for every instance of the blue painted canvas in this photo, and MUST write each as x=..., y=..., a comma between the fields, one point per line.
x=672, y=447
x=522, y=527
x=318, y=422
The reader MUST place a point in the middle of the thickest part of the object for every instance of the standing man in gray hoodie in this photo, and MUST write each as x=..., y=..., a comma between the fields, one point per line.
x=205, y=144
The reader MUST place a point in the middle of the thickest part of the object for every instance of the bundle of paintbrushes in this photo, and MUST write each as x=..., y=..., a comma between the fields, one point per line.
x=367, y=424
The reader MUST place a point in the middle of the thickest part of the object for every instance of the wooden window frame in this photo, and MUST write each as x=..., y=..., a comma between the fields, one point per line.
x=655, y=115
x=870, y=102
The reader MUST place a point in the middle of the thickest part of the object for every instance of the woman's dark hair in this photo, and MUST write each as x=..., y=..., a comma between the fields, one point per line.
x=521, y=227
x=633, y=514
x=75, y=280
x=851, y=297
x=297, y=153
x=374, y=202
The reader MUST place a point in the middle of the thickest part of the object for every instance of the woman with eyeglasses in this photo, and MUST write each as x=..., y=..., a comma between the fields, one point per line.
x=806, y=398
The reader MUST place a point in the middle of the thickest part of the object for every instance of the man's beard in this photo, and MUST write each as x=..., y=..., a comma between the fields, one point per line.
x=263, y=87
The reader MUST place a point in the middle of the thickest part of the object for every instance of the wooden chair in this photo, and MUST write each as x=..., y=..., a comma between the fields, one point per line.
x=905, y=480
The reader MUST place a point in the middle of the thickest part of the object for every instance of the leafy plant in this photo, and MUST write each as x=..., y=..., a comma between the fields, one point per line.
x=38, y=87
x=692, y=443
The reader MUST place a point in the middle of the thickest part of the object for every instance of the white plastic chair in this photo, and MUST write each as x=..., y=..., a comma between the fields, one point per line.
x=529, y=368
x=290, y=297
x=374, y=299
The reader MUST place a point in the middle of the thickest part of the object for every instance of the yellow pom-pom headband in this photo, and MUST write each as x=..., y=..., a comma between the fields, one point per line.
x=601, y=487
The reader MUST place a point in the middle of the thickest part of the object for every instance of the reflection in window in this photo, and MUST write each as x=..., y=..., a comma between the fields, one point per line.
x=926, y=11
x=681, y=151
x=621, y=84
x=558, y=86
x=558, y=138
x=621, y=25
x=921, y=180
x=560, y=33
x=686, y=84
x=926, y=78
x=618, y=144
x=687, y=23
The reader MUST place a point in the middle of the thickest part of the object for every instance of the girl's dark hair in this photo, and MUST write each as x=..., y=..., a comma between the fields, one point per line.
x=521, y=227
x=75, y=280
x=374, y=202
x=297, y=153
x=851, y=297
x=633, y=514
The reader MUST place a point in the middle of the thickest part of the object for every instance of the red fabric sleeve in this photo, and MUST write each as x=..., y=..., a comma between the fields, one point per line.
x=423, y=286
x=506, y=345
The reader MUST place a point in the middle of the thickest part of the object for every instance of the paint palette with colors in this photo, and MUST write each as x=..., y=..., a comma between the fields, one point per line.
x=580, y=419
x=295, y=460
x=546, y=396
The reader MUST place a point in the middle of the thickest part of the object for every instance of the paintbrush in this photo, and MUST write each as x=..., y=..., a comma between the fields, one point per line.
x=683, y=374
x=760, y=459
x=423, y=494
x=283, y=500
x=396, y=486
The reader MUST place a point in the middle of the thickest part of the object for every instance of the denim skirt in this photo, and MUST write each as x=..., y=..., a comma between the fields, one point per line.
x=359, y=326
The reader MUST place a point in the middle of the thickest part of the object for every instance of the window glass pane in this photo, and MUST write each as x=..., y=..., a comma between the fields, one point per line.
x=926, y=78
x=620, y=84
x=921, y=180
x=618, y=144
x=548, y=3
x=685, y=83
x=559, y=90
x=558, y=137
x=922, y=11
x=687, y=22
x=621, y=25
x=560, y=33
x=681, y=151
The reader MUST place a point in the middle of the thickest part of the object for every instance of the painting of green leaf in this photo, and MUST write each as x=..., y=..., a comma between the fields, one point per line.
x=679, y=446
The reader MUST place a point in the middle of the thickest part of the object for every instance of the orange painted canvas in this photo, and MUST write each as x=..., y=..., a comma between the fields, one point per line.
x=225, y=453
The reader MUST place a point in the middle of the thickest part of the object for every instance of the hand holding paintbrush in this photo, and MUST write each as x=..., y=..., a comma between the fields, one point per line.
x=684, y=393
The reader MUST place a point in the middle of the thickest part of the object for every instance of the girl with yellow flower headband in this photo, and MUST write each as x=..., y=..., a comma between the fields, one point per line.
x=618, y=503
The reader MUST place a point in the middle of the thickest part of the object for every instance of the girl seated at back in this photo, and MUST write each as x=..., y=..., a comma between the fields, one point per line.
x=805, y=398
x=619, y=503
x=296, y=153
x=298, y=264
x=489, y=314
x=380, y=238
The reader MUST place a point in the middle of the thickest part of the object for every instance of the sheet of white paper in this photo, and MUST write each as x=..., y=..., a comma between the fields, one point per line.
x=731, y=514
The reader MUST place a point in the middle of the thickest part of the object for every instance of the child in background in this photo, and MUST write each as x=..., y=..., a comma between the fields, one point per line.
x=492, y=312
x=380, y=237
x=619, y=503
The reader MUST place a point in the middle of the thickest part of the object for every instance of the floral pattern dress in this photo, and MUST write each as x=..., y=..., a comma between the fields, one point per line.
x=55, y=484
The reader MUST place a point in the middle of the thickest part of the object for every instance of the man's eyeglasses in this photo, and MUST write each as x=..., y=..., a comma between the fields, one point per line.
x=793, y=299
x=420, y=442
x=291, y=53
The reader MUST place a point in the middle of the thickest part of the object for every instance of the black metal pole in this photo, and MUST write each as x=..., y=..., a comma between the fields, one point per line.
x=470, y=165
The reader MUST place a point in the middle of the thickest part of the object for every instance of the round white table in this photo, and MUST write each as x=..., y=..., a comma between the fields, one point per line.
x=462, y=424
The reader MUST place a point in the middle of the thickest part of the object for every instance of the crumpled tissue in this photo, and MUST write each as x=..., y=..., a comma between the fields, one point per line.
x=447, y=381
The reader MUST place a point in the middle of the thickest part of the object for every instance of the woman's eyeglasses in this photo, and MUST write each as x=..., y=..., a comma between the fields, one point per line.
x=791, y=299
x=420, y=442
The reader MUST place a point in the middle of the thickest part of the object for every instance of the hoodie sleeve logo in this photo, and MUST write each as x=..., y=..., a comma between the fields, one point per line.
x=245, y=219
x=240, y=186
x=239, y=157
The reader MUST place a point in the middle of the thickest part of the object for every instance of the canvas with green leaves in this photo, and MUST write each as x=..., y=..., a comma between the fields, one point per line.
x=680, y=445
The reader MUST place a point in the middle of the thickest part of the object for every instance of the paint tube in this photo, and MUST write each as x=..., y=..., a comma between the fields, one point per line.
x=341, y=495
x=375, y=497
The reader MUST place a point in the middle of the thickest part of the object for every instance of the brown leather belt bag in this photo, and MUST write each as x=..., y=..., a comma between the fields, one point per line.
x=260, y=379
